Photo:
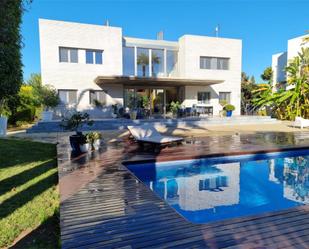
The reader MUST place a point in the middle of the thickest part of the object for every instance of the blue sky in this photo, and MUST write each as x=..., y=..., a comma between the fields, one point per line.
x=264, y=26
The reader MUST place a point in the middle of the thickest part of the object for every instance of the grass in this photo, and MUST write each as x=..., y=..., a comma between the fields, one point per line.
x=29, y=197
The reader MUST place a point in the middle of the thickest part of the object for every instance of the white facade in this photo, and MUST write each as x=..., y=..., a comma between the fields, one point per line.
x=280, y=60
x=110, y=43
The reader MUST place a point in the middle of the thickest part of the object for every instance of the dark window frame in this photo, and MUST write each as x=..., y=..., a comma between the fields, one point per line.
x=68, y=90
x=68, y=54
x=217, y=64
x=201, y=101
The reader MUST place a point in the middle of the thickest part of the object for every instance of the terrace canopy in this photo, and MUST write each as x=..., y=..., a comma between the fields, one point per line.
x=155, y=82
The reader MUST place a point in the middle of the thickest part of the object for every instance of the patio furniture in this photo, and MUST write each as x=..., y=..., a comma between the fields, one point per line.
x=301, y=122
x=149, y=134
x=204, y=110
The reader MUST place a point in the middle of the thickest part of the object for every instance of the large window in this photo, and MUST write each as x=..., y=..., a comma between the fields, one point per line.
x=68, y=55
x=128, y=61
x=171, y=62
x=94, y=57
x=215, y=63
x=97, y=97
x=225, y=97
x=68, y=97
x=203, y=97
x=157, y=62
x=143, y=62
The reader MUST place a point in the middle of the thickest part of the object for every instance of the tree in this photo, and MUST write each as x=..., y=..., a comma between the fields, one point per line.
x=293, y=102
x=10, y=46
x=143, y=60
x=267, y=75
x=247, y=86
x=252, y=80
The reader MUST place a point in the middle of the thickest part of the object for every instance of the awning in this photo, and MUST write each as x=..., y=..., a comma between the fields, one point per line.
x=142, y=81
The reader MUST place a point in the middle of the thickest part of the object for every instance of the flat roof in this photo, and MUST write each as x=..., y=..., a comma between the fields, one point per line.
x=152, y=81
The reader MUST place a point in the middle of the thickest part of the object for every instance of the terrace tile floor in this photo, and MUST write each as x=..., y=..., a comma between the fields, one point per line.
x=104, y=206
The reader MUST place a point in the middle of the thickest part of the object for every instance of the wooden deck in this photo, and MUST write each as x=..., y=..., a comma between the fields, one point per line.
x=104, y=206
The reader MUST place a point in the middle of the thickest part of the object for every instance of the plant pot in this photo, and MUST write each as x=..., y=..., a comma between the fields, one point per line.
x=47, y=116
x=133, y=115
x=3, y=125
x=75, y=141
x=229, y=113
x=84, y=148
x=96, y=144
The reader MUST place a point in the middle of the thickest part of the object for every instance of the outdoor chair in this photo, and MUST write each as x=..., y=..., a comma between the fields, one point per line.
x=301, y=122
x=147, y=134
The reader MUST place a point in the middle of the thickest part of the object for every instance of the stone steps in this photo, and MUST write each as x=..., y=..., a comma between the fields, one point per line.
x=118, y=124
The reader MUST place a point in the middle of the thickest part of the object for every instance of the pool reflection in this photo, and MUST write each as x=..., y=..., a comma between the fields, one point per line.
x=211, y=190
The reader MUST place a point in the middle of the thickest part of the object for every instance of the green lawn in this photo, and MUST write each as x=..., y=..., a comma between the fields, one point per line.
x=29, y=197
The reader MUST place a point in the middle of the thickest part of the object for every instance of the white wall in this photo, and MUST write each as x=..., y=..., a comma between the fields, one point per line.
x=294, y=46
x=192, y=47
x=279, y=62
x=80, y=76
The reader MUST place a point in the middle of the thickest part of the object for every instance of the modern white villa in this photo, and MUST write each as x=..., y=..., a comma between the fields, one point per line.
x=280, y=60
x=96, y=65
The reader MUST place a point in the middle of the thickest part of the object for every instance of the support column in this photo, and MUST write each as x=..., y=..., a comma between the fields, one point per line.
x=135, y=61
x=150, y=62
x=165, y=62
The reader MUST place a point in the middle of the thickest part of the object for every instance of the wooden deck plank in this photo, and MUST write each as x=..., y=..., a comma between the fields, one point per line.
x=114, y=210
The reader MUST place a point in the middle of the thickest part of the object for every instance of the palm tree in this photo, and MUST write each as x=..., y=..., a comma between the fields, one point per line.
x=143, y=60
x=294, y=101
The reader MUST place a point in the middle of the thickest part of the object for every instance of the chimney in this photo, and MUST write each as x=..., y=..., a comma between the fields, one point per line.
x=106, y=23
x=160, y=35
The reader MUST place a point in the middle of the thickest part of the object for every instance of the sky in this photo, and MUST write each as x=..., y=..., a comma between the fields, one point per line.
x=263, y=26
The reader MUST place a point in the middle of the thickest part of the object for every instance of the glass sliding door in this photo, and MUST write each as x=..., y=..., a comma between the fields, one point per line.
x=158, y=101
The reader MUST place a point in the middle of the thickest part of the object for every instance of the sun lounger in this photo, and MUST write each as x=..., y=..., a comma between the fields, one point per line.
x=301, y=122
x=148, y=134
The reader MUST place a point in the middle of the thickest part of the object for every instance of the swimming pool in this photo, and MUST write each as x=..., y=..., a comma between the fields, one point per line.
x=213, y=189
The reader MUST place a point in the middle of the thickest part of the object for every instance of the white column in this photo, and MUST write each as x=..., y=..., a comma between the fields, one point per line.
x=135, y=61
x=165, y=62
x=150, y=62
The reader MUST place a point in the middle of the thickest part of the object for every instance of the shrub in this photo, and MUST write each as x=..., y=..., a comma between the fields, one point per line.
x=25, y=115
x=76, y=121
x=49, y=97
x=229, y=107
x=175, y=106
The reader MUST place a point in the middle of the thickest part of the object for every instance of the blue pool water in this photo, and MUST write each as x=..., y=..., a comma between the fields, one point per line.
x=215, y=189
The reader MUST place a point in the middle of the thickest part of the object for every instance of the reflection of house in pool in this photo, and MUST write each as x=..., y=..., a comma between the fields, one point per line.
x=217, y=187
x=296, y=184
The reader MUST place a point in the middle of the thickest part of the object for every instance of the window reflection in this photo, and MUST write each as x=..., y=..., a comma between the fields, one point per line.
x=157, y=62
x=143, y=62
x=128, y=61
x=171, y=62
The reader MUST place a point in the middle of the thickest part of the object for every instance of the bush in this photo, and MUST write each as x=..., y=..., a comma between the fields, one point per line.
x=24, y=115
x=175, y=106
x=229, y=107
x=49, y=97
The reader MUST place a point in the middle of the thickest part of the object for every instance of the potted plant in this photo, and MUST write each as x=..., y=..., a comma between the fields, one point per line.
x=115, y=111
x=49, y=99
x=94, y=139
x=83, y=144
x=133, y=114
x=75, y=123
x=175, y=106
x=229, y=109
